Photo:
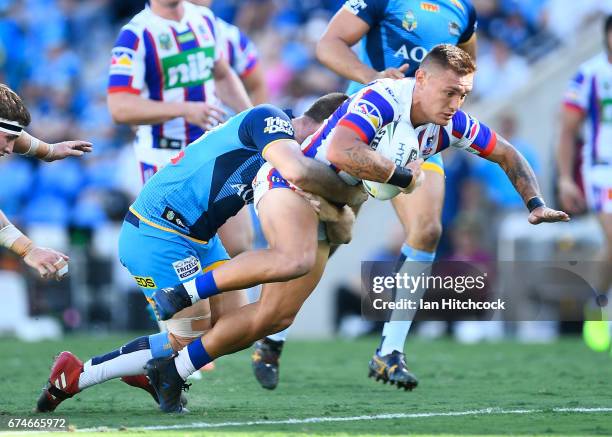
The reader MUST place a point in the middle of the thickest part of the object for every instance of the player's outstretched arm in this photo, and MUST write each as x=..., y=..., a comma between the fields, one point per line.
x=524, y=180
x=334, y=50
x=48, y=262
x=29, y=145
x=311, y=175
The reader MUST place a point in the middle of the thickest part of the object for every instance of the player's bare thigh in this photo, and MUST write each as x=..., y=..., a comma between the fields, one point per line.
x=420, y=212
x=237, y=233
x=281, y=301
x=289, y=224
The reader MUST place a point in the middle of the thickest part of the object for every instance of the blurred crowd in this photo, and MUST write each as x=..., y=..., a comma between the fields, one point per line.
x=56, y=53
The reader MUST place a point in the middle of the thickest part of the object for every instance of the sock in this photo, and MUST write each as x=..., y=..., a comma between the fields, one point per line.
x=128, y=360
x=395, y=331
x=205, y=285
x=279, y=336
x=191, y=358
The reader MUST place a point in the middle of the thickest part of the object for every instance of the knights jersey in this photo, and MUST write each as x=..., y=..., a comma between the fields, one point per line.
x=167, y=61
x=590, y=93
x=210, y=181
x=385, y=101
x=403, y=32
x=237, y=48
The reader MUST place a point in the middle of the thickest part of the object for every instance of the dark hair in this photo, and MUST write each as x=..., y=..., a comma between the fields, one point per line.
x=607, y=30
x=451, y=57
x=325, y=106
x=12, y=107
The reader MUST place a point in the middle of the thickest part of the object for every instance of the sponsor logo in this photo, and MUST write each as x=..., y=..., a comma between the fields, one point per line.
x=189, y=68
x=145, y=282
x=454, y=29
x=355, y=6
x=392, y=94
x=245, y=191
x=164, y=41
x=174, y=217
x=416, y=54
x=186, y=268
x=430, y=7
x=122, y=60
x=409, y=22
x=413, y=155
x=368, y=111
x=277, y=124
x=185, y=37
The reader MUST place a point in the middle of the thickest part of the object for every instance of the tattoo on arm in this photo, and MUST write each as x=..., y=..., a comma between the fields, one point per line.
x=520, y=174
x=367, y=164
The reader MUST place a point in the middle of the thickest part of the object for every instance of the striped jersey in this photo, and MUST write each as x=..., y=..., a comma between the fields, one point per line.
x=404, y=31
x=167, y=61
x=590, y=93
x=386, y=101
x=237, y=48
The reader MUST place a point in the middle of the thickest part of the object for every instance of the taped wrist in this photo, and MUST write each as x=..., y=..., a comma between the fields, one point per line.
x=401, y=177
x=535, y=202
x=12, y=238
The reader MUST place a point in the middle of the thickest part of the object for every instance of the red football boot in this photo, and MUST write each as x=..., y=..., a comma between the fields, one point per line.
x=141, y=381
x=63, y=382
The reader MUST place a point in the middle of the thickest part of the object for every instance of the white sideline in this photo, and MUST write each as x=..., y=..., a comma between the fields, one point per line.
x=196, y=425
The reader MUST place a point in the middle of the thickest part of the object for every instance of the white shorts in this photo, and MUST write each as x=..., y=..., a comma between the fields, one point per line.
x=598, y=188
x=268, y=178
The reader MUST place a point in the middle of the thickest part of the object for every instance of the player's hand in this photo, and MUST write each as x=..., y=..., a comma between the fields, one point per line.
x=418, y=176
x=393, y=73
x=357, y=196
x=326, y=211
x=544, y=214
x=202, y=114
x=68, y=148
x=571, y=198
x=48, y=262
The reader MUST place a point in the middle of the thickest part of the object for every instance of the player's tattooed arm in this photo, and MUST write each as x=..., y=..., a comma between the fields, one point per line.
x=523, y=178
x=349, y=153
x=516, y=168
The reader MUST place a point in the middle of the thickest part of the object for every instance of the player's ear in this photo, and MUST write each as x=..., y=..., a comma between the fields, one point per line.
x=420, y=75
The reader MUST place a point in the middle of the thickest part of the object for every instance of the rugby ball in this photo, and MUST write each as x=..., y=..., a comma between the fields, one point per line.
x=398, y=142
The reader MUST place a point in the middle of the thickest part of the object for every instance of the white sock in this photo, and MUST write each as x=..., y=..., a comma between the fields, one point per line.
x=122, y=365
x=183, y=364
x=279, y=336
x=396, y=329
x=394, y=336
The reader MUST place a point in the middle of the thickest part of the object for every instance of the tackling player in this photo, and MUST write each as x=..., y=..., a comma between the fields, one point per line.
x=14, y=117
x=171, y=228
x=587, y=114
x=430, y=103
x=394, y=37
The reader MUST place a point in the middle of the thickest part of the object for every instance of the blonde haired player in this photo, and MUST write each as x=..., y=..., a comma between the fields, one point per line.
x=14, y=118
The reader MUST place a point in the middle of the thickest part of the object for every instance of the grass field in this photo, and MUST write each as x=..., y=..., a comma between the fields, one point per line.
x=487, y=389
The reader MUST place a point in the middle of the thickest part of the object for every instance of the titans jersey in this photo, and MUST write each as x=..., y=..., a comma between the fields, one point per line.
x=238, y=49
x=210, y=181
x=590, y=93
x=403, y=32
x=167, y=61
x=387, y=100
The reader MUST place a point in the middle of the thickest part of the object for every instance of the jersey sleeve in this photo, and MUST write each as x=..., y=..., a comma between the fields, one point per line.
x=577, y=94
x=472, y=24
x=467, y=133
x=247, y=56
x=370, y=110
x=370, y=11
x=264, y=125
x=127, y=67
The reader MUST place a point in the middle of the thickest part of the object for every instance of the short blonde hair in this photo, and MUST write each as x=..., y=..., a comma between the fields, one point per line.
x=12, y=107
x=450, y=57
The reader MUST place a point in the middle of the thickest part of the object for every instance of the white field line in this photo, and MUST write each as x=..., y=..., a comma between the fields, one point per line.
x=208, y=425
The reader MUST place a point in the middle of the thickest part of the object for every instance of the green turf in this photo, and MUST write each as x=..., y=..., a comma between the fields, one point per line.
x=327, y=379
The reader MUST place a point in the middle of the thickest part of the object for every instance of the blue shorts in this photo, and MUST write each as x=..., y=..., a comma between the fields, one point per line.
x=157, y=257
